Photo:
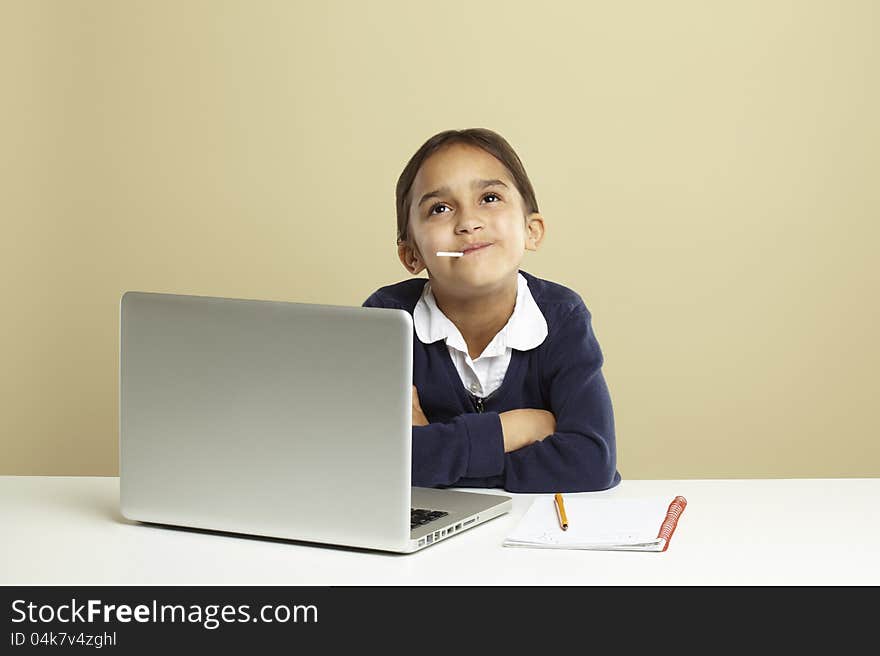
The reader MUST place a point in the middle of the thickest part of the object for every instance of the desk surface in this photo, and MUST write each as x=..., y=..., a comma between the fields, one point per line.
x=68, y=531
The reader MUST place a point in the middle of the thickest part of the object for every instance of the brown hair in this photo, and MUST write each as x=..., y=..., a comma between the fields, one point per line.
x=491, y=142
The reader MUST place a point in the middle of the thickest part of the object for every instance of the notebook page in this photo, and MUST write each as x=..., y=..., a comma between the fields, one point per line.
x=592, y=521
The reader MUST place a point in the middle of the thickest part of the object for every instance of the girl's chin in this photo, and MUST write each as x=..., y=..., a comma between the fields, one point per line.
x=477, y=276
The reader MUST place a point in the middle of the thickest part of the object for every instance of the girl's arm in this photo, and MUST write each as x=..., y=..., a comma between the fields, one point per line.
x=580, y=455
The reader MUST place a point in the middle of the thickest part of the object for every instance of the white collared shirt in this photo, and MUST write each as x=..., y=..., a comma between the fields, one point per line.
x=525, y=330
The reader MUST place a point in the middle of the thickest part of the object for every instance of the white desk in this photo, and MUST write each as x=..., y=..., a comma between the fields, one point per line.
x=68, y=531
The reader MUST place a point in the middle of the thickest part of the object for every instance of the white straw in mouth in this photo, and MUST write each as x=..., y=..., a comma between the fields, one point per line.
x=448, y=254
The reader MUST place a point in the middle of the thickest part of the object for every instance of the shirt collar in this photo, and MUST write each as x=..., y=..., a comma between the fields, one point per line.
x=525, y=329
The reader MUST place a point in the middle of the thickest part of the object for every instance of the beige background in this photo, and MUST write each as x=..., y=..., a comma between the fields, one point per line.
x=708, y=172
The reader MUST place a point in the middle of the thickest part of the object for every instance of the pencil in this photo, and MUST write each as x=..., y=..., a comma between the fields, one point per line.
x=560, y=510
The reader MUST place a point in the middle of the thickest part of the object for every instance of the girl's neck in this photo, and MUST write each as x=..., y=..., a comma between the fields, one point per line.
x=478, y=317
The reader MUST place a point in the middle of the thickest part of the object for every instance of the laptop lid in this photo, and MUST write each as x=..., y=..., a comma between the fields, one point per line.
x=281, y=419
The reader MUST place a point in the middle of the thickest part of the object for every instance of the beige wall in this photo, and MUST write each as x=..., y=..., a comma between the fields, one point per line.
x=708, y=172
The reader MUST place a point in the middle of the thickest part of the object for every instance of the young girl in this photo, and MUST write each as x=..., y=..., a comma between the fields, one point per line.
x=508, y=388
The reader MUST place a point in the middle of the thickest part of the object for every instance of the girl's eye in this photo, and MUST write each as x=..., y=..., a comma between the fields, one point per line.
x=438, y=205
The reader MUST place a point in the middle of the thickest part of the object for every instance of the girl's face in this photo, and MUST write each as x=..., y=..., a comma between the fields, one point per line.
x=464, y=199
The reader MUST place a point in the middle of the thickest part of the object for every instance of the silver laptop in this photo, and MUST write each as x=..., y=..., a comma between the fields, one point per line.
x=277, y=419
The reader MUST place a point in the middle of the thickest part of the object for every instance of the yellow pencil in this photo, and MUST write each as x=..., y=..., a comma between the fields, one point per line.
x=560, y=510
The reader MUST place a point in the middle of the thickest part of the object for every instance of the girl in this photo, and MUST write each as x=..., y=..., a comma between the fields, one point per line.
x=508, y=389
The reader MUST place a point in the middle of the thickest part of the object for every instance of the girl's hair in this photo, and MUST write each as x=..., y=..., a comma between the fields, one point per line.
x=491, y=142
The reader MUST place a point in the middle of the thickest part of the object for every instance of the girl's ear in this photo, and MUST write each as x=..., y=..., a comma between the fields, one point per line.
x=534, y=231
x=410, y=257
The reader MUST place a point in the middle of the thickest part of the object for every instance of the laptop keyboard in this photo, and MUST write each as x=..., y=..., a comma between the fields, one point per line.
x=421, y=516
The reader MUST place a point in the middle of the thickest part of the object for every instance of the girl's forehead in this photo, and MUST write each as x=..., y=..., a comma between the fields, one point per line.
x=459, y=165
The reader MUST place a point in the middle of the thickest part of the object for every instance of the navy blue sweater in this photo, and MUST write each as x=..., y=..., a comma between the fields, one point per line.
x=464, y=445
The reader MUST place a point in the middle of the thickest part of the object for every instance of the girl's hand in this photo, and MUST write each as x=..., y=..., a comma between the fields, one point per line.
x=525, y=426
x=418, y=417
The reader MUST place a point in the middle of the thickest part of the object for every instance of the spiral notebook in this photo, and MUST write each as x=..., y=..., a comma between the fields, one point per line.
x=602, y=524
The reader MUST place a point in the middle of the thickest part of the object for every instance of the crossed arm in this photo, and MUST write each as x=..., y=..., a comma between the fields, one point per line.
x=520, y=427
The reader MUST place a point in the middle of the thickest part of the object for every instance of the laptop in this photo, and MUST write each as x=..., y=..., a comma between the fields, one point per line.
x=277, y=419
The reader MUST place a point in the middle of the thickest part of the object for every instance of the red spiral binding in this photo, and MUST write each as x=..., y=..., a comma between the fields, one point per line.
x=667, y=528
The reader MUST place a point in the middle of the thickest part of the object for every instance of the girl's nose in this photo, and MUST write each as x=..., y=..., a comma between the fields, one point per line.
x=468, y=222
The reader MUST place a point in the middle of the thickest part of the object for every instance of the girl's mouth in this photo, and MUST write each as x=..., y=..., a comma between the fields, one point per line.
x=471, y=251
